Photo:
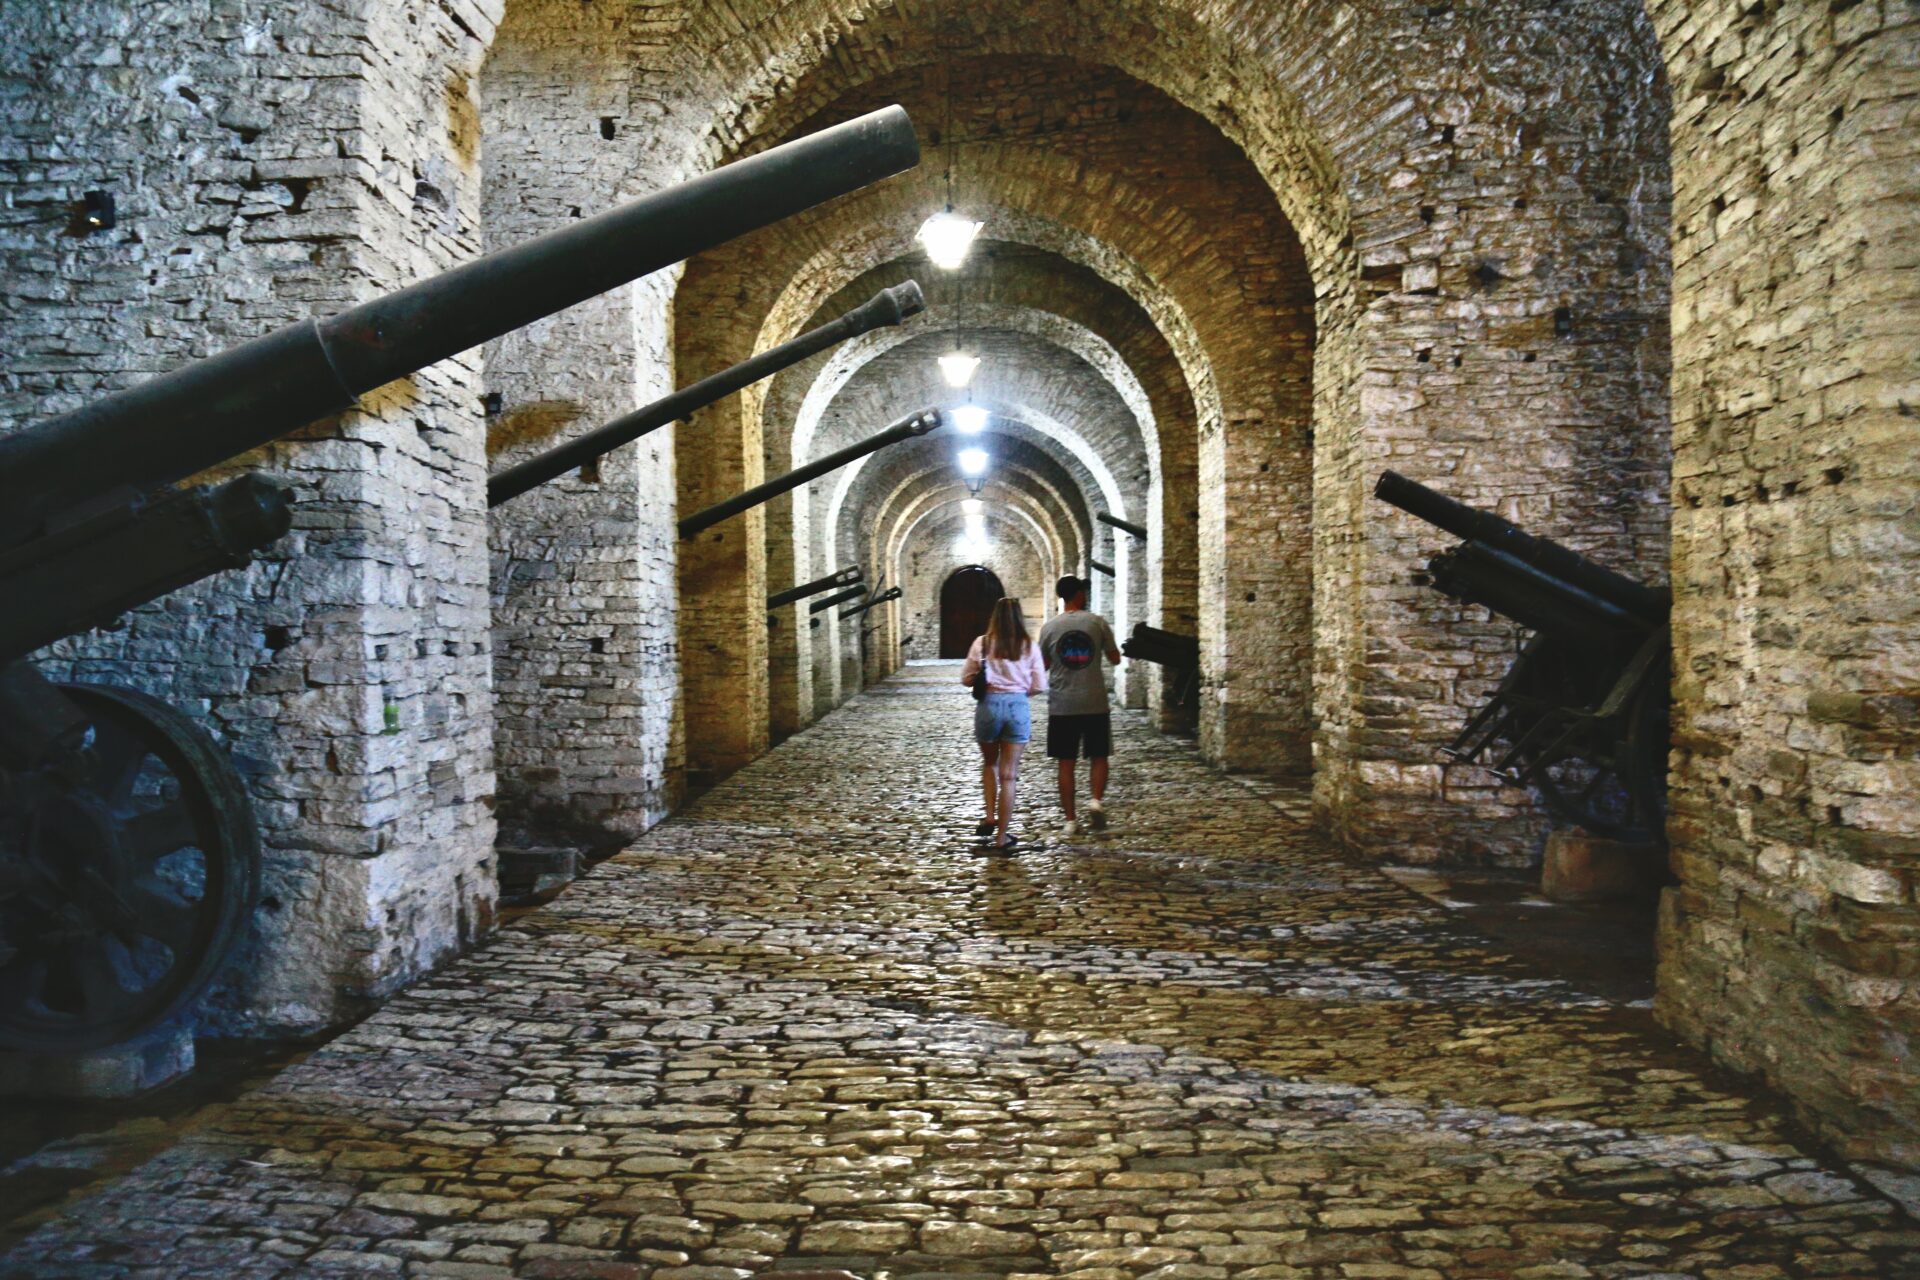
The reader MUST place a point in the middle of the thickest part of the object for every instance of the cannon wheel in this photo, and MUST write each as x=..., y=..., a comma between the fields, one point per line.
x=1625, y=797
x=132, y=885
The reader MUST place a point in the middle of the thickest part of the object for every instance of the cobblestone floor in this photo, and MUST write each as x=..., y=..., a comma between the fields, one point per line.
x=808, y=1024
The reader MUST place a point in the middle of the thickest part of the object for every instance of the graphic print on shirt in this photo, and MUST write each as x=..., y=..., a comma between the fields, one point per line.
x=1075, y=650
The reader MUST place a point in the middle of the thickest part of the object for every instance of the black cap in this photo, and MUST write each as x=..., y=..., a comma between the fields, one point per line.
x=1069, y=587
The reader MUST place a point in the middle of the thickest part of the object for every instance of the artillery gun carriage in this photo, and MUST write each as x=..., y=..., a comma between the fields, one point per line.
x=129, y=852
x=1581, y=716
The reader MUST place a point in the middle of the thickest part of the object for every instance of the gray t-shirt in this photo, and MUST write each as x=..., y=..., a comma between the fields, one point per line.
x=1074, y=645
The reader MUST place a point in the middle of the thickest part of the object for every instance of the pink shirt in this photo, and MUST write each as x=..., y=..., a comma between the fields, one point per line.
x=1025, y=674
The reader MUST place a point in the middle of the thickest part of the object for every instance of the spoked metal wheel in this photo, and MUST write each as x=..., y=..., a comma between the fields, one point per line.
x=126, y=886
x=1611, y=776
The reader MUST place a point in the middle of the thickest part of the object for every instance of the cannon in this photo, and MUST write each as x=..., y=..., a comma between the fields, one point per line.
x=886, y=308
x=1125, y=526
x=129, y=854
x=891, y=593
x=839, y=597
x=1581, y=717
x=1101, y=568
x=914, y=424
x=838, y=578
x=1179, y=654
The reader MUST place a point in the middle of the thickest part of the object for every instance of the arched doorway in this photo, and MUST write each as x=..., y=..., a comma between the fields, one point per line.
x=966, y=602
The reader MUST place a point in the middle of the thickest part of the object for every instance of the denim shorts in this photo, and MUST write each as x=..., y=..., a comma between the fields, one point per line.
x=1002, y=717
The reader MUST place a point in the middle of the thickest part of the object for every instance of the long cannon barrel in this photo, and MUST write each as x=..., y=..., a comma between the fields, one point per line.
x=852, y=593
x=1532, y=597
x=180, y=423
x=914, y=424
x=838, y=578
x=1125, y=526
x=1168, y=648
x=891, y=593
x=92, y=571
x=1103, y=568
x=886, y=308
x=1650, y=604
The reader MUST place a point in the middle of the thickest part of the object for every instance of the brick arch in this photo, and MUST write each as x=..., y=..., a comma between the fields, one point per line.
x=953, y=326
x=1021, y=278
x=1222, y=276
x=1026, y=487
x=883, y=475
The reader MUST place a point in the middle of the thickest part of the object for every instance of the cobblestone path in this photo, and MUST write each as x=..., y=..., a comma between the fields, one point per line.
x=808, y=1024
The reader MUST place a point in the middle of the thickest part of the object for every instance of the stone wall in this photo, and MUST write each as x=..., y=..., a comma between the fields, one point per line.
x=1792, y=943
x=1504, y=342
x=930, y=558
x=268, y=164
x=586, y=656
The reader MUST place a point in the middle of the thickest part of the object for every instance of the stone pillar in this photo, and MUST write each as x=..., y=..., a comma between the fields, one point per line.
x=257, y=184
x=1792, y=944
x=585, y=650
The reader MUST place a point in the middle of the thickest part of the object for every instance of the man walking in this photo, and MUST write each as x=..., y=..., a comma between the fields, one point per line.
x=1078, y=719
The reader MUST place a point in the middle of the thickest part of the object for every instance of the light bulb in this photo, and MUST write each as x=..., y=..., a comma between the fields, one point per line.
x=972, y=506
x=970, y=418
x=957, y=368
x=973, y=462
x=947, y=237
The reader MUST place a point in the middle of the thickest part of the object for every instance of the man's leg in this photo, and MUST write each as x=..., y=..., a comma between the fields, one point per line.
x=1099, y=740
x=1063, y=744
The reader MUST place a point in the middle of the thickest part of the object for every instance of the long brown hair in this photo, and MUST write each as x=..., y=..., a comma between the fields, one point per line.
x=1006, y=631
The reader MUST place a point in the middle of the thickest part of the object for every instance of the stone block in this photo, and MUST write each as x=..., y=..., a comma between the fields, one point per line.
x=122, y=1071
x=1579, y=867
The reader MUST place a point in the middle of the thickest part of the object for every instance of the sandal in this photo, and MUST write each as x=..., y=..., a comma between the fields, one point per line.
x=1011, y=843
x=986, y=828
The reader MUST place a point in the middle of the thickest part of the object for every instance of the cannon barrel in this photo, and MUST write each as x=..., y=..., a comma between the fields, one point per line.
x=1168, y=648
x=178, y=424
x=1532, y=597
x=1103, y=568
x=1650, y=604
x=851, y=593
x=91, y=571
x=1125, y=526
x=838, y=578
x=888, y=307
x=891, y=593
x=914, y=424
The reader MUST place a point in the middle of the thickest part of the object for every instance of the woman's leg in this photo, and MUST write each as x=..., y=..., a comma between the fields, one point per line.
x=1009, y=785
x=989, y=770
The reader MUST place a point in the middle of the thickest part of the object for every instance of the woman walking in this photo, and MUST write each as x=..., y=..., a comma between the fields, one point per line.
x=1008, y=661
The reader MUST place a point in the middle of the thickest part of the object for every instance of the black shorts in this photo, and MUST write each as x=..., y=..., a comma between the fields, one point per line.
x=1070, y=737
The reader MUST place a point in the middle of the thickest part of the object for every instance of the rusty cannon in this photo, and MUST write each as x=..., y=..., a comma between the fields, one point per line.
x=1179, y=654
x=914, y=424
x=1581, y=716
x=129, y=853
x=886, y=308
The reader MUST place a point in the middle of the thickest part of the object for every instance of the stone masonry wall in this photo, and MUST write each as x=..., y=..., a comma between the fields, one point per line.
x=270, y=162
x=1792, y=944
x=586, y=656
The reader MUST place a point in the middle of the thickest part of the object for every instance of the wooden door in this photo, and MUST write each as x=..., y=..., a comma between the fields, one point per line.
x=966, y=603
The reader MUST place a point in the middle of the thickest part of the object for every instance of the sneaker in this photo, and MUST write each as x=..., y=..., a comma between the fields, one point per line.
x=1096, y=815
x=1071, y=828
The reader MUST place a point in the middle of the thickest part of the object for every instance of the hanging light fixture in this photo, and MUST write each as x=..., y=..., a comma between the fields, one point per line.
x=947, y=235
x=973, y=469
x=970, y=419
x=957, y=368
x=972, y=506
